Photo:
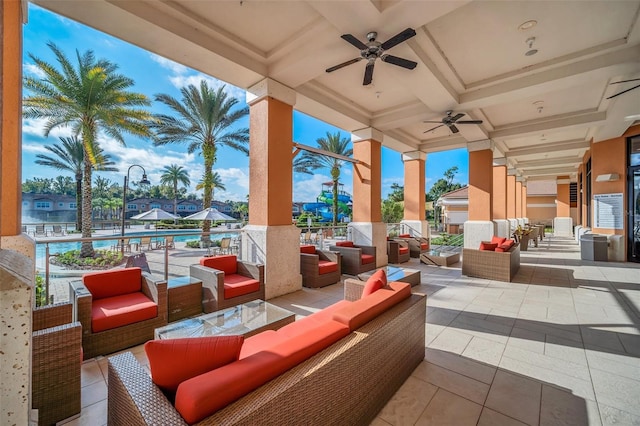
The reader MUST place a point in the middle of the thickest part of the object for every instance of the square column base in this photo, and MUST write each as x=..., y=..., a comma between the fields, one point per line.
x=416, y=228
x=563, y=227
x=513, y=224
x=278, y=249
x=371, y=234
x=476, y=231
x=502, y=228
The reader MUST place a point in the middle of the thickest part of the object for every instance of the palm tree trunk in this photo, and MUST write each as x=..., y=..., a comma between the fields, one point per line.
x=335, y=202
x=175, y=199
x=208, y=152
x=87, y=247
x=78, y=201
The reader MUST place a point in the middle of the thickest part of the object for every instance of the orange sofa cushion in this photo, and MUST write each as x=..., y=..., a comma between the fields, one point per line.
x=173, y=361
x=325, y=266
x=424, y=246
x=205, y=394
x=344, y=244
x=498, y=240
x=364, y=310
x=404, y=236
x=486, y=245
x=506, y=246
x=227, y=263
x=309, y=249
x=375, y=282
x=113, y=312
x=367, y=258
x=238, y=285
x=113, y=283
x=403, y=250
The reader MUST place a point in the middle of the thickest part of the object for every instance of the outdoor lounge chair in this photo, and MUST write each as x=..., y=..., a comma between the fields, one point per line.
x=40, y=231
x=58, y=231
x=227, y=281
x=319, y=268
x=145, y=243
x=56, y=356
x=417, y=245
x=168, y=243
x=355, y=259
x=398, y=251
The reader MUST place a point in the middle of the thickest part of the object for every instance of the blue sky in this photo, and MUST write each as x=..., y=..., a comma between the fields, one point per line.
x=152, y=75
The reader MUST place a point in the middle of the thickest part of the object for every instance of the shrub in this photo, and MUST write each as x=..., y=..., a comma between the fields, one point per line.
x=103, y=259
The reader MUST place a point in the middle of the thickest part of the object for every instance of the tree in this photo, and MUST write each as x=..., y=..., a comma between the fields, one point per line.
x=205, y=118
x=69, y=156
x=38, y=186
x=392, y=211
x=172, y=175
x=397, y=193
x=335, y=144
x=90, y=98
x=216, y=183
x=442, y=186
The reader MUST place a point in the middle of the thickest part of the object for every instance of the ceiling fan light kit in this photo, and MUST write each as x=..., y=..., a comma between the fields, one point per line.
x=373, y=50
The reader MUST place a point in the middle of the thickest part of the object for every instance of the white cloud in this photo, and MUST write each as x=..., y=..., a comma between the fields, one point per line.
x=34, y=70
x=309, y=187
x=234, y=176
x=35, y=148
x=174, y=67
x=180, y=81
x=35, y=126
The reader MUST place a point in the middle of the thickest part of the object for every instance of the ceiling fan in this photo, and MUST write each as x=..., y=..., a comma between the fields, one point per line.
x=451, y=121
x=373, y=50
x=624, y=91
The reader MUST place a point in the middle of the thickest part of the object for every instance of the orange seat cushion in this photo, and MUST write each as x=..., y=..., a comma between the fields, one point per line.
x=111, y=283
x=498, y=240
x=114, y=312
x=403, y=250
x=375, y=282
x=238, y=285
x=227, y=263
x=344, y=244
x=195, y=355
x=367, y=258
x=486, y=245
x=364, y=310
x=205, y=394
x=325, y=267
x=404, y=236
x=424, y=246
x=309, y=249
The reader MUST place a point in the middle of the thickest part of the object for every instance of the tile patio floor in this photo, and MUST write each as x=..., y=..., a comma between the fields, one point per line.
x=560, y=345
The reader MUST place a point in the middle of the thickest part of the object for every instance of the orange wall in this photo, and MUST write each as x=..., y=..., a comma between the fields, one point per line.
x=511, y=197
x=367, y=182
x=563, y=207
x=499, y=192
x=480, y=184
x=414, y=190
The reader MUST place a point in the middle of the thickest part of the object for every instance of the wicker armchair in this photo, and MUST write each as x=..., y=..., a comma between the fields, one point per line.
x=319, y=268
x=223, y=278
x=56, y=356
x=125, y=336
x=417, y=245
x=398, y=251
x=355, y=259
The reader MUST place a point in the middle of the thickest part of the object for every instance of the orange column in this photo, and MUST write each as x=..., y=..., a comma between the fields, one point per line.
x=499, y=209
x=367, y=178
x=414, y=185
x=511, y=195
x=480, y=181
x=563, y=206
x=10, y=130
x=524, y=200
x=518, y=199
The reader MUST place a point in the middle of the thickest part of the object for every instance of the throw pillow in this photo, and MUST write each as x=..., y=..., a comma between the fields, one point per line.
x=498, y=240
x=487, y=245
x=173, y=361
x=375, y=282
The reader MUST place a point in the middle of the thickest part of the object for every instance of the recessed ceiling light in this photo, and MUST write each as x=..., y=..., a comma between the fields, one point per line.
x=527, y=25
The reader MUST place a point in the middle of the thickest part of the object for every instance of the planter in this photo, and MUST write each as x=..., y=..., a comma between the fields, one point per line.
x=524, y=242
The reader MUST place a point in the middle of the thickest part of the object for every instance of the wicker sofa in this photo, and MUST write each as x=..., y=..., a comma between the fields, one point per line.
x=492, y=265
x=348, y=382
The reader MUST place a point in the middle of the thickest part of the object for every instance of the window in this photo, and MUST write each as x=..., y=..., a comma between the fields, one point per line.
x=73, y=206
x=155, y=206
x=192, y=207
x=132, y=207
x=60, y=204
x=573, y=194
x=181, y=207
x=43, y=205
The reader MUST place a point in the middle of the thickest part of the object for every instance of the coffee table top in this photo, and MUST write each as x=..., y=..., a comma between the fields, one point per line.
x=394, y=273
x=438, y=253
x=245, y=319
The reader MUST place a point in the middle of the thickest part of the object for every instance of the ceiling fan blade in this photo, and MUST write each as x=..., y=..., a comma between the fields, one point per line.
x=401, y=62
x=457, y=117
x=469, y=122
x=433, y=121
x=344, y=64
x=625, y=81
x=398, y=38
x=453, y=128
x=354, y=41
x=624, y=91
x=368, y=73
x=427, y=131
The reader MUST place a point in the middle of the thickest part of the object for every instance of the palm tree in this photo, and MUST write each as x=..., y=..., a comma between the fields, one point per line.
x=205, y=118
x=216, y=182
x=335, y=144
x=173, y=175
x=90, y=98
x=69, y=157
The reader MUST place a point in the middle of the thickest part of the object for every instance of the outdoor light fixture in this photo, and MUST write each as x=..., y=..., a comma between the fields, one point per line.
x=143, y=181
x=531, y=50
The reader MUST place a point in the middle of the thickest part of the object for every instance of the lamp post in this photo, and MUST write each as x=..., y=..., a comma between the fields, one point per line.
x=143, y=181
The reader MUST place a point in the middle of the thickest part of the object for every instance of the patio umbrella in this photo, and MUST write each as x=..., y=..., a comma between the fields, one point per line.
x=211, y=214
x=154, y=215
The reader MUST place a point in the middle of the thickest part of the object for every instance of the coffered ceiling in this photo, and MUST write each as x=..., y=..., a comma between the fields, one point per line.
x=541, y=110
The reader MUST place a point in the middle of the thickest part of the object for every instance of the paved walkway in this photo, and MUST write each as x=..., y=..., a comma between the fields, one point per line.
x=559, y=345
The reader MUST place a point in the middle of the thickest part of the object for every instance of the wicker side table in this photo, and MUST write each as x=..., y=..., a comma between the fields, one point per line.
x=185, y=297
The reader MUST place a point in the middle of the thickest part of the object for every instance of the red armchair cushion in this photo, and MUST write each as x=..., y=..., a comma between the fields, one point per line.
x=309, y=249
x=113, y=283
x=325, y=266
x=344, y=244
x=367, y=258
x=113, y=312
x=498, y=240
x=173, y=361
x=404, y=236
x=238, y=285
x=424, y=246
x=510, y=243
x=227, y=263
x=403, y=250
x=375, y=282
x=506, y=246
x=486, y=245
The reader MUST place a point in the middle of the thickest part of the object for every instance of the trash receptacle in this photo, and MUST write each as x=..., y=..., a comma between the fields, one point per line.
x=593, y=247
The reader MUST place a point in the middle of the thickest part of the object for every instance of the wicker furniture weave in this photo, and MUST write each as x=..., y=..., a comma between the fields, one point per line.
x=415, y=245
x=348, y=383
x=393, y=251
x=213, y=285
x=56, y=356
x=491, y=265
x=115, y=339
x=309, y=268
x=352, y=258
x=184, y=297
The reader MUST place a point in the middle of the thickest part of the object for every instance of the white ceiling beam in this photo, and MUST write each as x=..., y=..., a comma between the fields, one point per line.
x=399, y=117
x=444, y=144
x=551, y=171
x=546, y=162
x=548, y=148
x=547, y=124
